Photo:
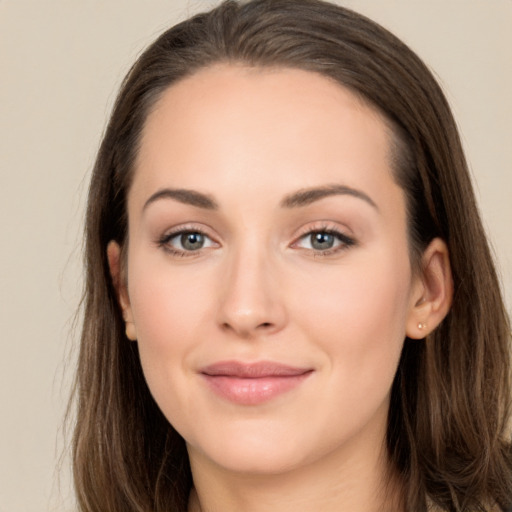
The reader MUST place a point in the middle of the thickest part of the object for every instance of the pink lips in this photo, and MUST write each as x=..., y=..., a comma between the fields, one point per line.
x=252, y=384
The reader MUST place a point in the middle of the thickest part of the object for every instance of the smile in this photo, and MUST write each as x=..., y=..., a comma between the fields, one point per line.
x=252, y=384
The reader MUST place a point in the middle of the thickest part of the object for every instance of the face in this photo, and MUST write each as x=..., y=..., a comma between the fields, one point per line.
x=269, y=286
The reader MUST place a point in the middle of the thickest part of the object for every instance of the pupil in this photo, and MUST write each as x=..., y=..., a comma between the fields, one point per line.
x=322, y=241
x=192, y=241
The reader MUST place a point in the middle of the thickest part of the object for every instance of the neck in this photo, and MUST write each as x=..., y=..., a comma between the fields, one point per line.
x=362, y=485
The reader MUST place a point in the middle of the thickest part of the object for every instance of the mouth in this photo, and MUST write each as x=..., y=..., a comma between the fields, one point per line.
x=252, y=383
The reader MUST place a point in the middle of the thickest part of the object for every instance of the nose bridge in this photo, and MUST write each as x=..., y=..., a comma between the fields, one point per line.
x=251, y=300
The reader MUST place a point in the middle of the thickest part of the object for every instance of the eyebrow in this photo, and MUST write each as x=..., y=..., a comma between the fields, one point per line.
x=298, y=199
x=307, y=196
x=184, y=196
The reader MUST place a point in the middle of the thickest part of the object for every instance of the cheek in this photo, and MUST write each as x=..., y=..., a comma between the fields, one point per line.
x=170, y=310
x=358, y=315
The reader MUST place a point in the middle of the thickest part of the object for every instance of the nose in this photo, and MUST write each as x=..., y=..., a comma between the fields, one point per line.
x=251, y=299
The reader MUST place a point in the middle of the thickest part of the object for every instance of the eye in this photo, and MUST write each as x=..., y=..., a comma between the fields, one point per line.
x=190, y=241
x=324, y=241
x=186, y=241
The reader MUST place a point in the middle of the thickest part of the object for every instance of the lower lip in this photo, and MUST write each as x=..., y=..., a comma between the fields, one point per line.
x=253, y=391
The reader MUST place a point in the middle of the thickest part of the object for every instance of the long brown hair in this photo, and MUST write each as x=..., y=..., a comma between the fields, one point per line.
x=447, y=431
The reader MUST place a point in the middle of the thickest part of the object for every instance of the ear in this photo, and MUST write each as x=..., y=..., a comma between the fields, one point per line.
x=119, y=281
x=432, y=292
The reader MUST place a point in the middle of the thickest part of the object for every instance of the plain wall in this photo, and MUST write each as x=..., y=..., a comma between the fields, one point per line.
x=61, y=62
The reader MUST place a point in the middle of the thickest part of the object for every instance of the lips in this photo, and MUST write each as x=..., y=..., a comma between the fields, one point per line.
x=253, y=383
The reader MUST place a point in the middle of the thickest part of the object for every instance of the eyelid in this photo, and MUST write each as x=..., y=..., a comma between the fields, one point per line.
x=163, y=240
x=346, y=241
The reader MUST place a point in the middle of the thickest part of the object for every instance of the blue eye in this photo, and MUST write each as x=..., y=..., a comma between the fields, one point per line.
x=321, y=241
x=191, y=241
x=324, y=241
x=186, y=241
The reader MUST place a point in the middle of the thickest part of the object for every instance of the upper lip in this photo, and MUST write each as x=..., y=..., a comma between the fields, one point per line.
x=252, y=370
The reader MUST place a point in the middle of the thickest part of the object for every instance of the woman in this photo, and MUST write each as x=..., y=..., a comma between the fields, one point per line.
x=290, y=302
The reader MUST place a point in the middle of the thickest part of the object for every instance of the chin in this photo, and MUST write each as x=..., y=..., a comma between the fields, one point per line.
x=271, y=461
x=257, y=451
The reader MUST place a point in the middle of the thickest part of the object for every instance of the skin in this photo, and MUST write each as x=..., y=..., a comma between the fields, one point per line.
x=260, y=289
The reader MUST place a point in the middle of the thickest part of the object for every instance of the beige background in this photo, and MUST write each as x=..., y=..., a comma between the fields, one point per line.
x=60, y=64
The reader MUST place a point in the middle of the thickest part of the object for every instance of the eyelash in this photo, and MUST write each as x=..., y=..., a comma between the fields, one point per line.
x=164, y=241
x=345, y=242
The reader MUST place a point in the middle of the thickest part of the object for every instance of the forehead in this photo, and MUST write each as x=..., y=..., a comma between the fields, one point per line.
x=262, y=127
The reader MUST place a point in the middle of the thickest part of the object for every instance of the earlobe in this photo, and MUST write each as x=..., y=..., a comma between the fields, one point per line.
x=434, y=293
x=115, y=266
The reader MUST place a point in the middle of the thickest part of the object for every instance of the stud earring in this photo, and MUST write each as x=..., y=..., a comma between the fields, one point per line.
x=422, y=326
